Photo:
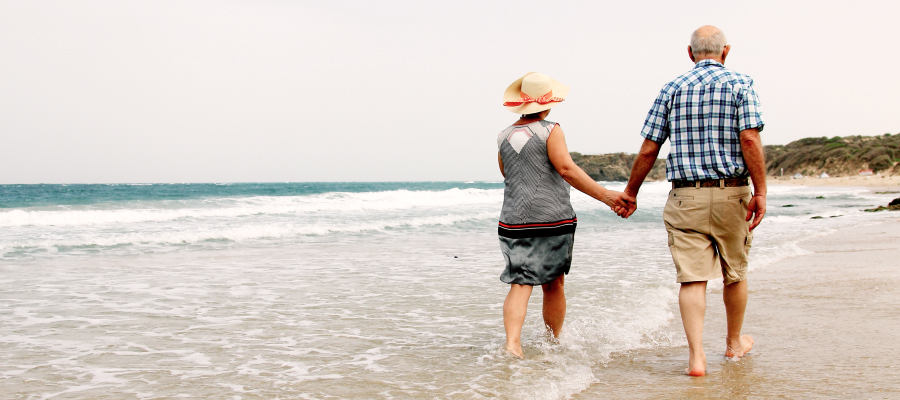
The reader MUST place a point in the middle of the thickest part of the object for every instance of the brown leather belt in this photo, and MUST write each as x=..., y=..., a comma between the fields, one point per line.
x=727, y=182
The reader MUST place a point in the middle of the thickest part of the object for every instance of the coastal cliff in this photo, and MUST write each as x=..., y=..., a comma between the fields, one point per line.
x=615, y=166
x=837, y=156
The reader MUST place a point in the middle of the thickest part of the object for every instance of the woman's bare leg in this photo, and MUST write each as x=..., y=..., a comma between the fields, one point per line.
x=514, y=309
x=554, y=305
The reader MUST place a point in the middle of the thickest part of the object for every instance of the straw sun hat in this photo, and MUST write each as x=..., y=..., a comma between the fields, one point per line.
x=533, y=93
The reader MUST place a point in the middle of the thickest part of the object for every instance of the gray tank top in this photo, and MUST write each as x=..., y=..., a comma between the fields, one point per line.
x=535, y=199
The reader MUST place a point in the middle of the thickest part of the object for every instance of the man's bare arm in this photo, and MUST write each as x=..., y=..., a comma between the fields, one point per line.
x=643, y=163
x=755, y=159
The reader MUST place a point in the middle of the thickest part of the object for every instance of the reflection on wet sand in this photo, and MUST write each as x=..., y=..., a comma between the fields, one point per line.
x=826, y=327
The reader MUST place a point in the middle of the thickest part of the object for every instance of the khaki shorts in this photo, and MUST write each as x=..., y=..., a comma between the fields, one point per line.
x=708, y=233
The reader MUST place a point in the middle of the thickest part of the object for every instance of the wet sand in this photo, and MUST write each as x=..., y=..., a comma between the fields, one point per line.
x=827, y=325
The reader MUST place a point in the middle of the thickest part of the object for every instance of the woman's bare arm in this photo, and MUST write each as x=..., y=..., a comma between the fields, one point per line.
x=575, y=176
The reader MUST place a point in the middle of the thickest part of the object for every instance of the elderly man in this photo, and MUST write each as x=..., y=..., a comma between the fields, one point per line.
x=712, y=117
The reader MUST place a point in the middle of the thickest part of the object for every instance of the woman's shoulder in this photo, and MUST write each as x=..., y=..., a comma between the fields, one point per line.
x=534, y=126
x=545, y=128
x=540, y=129
x=548, y=124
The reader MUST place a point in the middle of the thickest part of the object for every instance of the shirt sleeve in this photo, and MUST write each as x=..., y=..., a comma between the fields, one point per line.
x=749, y=110
x=656, y=126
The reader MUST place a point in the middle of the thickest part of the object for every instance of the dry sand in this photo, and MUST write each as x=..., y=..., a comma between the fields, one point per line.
x=885, y=181
x=827, y=325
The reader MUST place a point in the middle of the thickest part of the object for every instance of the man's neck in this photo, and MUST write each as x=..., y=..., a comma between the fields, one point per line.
x=716, y=59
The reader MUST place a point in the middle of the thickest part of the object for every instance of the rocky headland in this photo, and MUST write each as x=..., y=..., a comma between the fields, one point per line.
x=615, y=166
x=837, y=156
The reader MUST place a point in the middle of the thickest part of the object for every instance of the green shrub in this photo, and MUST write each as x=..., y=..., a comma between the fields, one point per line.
x=838, y=153
x=876, y=152
x=881, y=163
x=811, y=141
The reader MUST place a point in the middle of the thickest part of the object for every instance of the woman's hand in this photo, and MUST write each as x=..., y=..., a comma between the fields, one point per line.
x=559, y=156
x=622, y=204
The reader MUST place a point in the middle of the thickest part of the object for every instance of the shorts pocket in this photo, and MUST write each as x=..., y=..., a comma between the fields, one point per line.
x=680, y=199
x=673, y=250
x=745, y=255
x=738, y=196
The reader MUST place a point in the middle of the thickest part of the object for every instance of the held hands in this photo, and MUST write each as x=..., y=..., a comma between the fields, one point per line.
x=622, y=204
x=625, y=204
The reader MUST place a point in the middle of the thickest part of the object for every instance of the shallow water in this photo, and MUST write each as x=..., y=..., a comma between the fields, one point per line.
x=386, y=291
x=825, y=326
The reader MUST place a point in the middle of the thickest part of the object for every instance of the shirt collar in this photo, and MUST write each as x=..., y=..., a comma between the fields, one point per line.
x=707, y=62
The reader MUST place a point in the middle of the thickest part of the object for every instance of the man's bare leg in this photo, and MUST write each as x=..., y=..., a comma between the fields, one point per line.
x=735, y=296
x=692, y=302
x=514, y=309
x=554, y=305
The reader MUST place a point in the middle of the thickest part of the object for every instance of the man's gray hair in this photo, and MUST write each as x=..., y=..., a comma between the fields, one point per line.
x=708, y=45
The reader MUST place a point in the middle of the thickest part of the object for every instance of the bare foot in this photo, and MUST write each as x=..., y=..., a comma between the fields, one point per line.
x=515, y=350
x=697, y=365
x=551, y=338
x=737, y=350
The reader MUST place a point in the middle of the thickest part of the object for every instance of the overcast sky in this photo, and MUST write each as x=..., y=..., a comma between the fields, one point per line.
x=272, y=91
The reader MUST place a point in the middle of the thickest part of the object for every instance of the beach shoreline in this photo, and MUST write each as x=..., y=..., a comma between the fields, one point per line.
x=887, y=182
x=824, y=326
x=164, y=291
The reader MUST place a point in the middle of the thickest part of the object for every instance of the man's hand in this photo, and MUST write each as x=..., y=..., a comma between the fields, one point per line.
x=622, y=204
x=631, y=201
x=754, y=157
x=756, y=206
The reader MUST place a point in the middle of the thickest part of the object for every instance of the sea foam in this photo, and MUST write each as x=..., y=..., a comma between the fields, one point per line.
x=340, y=294
x=240, y=207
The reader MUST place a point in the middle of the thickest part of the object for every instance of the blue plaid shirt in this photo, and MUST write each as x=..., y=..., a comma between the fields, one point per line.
x=704, y=111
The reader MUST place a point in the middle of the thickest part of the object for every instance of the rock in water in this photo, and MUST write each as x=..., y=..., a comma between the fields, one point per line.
x=894, y=205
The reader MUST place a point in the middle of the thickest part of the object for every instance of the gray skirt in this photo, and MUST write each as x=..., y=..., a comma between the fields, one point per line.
x=537, y=260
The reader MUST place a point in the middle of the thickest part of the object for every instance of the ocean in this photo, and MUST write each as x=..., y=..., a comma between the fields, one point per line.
x=334, y=290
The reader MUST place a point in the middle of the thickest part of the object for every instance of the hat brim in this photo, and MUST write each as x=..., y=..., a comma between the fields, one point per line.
x=514, y=92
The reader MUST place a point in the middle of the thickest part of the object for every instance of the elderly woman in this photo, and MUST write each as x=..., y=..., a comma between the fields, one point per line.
x=537, y=223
